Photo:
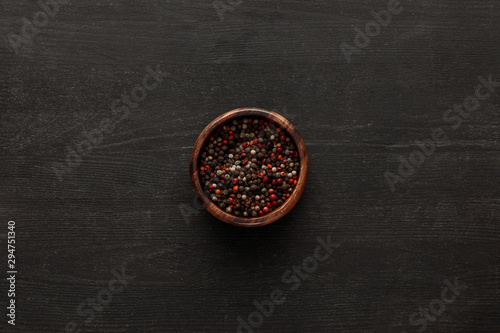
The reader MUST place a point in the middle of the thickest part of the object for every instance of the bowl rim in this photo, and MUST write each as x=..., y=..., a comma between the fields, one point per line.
x=281, y=210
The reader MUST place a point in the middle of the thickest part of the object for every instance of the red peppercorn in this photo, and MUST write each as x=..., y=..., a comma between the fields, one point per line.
x=245, y=162
x=229, y=200
x=231, y=137
x=243, y=155
x=224, y=142
x=272, y=197
x=245, y=144
x=235, y=181
x=210, y=187
x=271, y=191
x=268, y=204
x=274, y=203
x=273, y=154
x=265, y=179
x=235, y=188
x=274, y=182
x=290, y=180
x=279, y=181
x=282, y=137
x=279, y=149
x=265, y=210
x=261, y=212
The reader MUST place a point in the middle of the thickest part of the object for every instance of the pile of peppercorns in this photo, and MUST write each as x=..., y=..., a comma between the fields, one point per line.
x=249, y=167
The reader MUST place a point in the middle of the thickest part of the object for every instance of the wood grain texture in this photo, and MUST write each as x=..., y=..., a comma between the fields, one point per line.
x=282, y=210
x=130, y=203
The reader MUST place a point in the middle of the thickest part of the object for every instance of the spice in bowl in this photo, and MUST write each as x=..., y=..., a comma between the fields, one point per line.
x=249, y=167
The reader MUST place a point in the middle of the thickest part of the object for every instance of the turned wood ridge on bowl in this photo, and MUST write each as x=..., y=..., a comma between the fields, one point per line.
x=288, y=204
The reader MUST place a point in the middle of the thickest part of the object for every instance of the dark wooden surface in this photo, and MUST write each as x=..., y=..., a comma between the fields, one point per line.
x=129, y=204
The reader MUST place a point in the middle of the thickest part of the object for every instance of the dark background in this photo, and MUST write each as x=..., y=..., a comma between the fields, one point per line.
x=129, y=204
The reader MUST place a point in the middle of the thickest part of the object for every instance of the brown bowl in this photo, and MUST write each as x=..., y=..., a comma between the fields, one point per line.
x=281, y=210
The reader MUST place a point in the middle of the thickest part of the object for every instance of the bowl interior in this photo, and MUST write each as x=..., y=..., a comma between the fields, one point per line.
x=297, y=191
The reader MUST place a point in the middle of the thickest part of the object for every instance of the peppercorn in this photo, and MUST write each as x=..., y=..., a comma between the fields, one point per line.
x=249, y=167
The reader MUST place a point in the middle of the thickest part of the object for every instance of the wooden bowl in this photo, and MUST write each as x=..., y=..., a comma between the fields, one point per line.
x=281, y=210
